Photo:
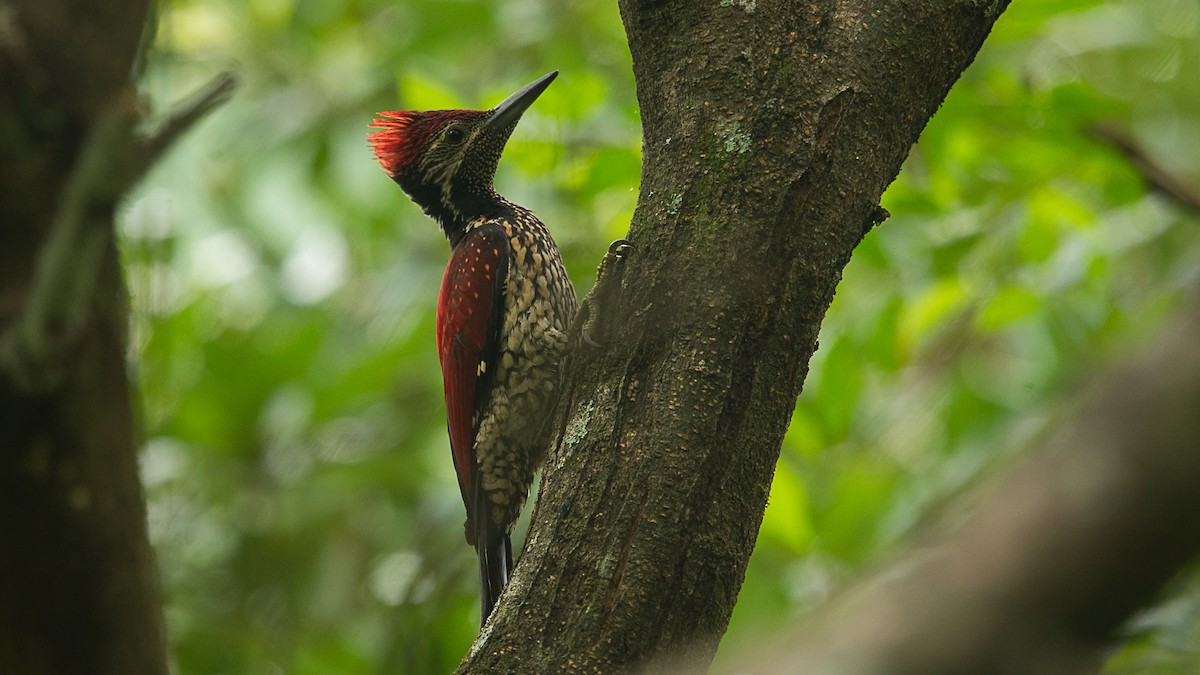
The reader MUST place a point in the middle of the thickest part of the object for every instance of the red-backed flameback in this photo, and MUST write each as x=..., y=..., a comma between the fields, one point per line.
x=503, y=313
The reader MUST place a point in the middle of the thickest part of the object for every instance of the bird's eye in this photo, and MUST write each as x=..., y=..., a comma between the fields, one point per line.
x=455, y=135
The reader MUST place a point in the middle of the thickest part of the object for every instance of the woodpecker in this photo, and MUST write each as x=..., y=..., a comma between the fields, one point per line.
x=504, y=311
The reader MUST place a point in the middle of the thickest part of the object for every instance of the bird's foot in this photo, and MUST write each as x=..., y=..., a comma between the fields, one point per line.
x=608, y=282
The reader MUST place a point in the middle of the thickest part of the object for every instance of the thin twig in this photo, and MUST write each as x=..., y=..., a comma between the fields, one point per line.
x=187, y=113
x=1159, y=177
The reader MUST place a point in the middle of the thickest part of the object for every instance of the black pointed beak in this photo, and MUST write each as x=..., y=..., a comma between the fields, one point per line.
x=511, y=108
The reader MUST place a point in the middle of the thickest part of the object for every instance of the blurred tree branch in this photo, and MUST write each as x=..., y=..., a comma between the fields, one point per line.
x=78, y=588
x=1048, y=563
x=112, y=161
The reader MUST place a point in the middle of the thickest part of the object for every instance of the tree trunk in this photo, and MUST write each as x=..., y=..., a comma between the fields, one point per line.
x=770, y=131
x=78, y=589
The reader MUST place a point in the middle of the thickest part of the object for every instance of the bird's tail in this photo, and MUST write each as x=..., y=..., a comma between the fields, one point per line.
x=494, y=547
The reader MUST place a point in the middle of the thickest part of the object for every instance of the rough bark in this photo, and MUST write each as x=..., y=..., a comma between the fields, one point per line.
x=771, y=129
x=78, y=590
x=1055, y=556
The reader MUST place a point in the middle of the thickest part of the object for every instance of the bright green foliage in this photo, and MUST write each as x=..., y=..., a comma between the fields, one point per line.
x=301, y=495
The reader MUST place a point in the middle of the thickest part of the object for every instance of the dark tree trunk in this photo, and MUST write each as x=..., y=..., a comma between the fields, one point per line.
x=78, y=590
x=771, y=129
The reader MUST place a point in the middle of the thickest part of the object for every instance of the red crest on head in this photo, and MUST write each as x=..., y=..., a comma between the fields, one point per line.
x=401, y=135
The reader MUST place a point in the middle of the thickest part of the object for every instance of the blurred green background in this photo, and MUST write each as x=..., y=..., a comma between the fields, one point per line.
x=301, y=496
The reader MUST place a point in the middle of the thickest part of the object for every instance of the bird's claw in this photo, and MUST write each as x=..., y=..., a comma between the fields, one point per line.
x=608, y=277
x=621, y=248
